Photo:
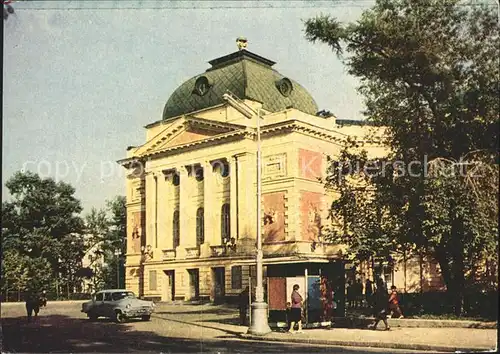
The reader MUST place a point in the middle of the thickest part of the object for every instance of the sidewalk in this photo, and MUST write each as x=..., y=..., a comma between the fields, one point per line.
x=431, y=339
x=364, y=322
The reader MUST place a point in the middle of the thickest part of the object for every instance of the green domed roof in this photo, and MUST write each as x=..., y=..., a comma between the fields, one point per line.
x=245, y=74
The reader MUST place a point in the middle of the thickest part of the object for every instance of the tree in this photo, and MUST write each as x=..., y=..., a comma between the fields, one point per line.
x=429, y=74
x=97, y=231
x=41, y=227
x=14, y=273
x=358, y=214
x=106, y=233
x=118, y=236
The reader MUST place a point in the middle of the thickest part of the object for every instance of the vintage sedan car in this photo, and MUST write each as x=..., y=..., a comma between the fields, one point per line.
x=117, y=304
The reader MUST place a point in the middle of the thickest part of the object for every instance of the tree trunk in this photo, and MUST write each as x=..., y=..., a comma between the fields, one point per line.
x=404, y=269
x=443, y=258
x=421, y=271
x=458, y=267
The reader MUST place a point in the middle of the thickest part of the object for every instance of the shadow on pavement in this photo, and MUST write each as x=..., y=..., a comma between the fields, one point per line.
x=235, y=321
x=58, y=333
x=195, y=323
x=216, y=311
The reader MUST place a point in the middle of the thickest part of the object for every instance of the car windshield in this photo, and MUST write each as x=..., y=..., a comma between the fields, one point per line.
x=122, y=295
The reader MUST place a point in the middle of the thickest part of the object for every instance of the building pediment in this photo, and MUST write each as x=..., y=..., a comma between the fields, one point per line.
x=187, y=130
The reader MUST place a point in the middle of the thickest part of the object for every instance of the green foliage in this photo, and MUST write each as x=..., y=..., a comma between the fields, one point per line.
x=42, y=229
x=44, y=239
x=429, y=74
x=106, y=233
x=359, y=216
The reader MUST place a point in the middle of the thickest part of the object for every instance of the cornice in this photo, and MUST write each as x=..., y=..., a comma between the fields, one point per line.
x=197, y=143
x=292, y=125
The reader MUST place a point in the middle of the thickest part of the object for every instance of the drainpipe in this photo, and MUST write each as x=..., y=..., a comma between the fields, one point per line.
x=306, y=305
x=156, y=210
x=237, y=196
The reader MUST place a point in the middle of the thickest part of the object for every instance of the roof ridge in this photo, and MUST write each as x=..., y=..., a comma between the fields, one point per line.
x=245, y=79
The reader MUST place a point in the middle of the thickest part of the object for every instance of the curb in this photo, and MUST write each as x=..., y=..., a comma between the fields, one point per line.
x=414, y=323
x=346, y=322
x=424, y=347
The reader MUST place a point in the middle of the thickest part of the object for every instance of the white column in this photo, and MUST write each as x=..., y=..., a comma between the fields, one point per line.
x=183, y=206
x=155, y=210
x=161, y=208
x=233, y=201
x=150, y=208
x=208, y=191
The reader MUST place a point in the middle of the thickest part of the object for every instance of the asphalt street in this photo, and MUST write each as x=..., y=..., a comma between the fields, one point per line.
x=61, y=327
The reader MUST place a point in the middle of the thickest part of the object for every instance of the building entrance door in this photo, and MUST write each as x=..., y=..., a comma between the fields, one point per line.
x=168, y=293
x=194, y=284
x=219, y=289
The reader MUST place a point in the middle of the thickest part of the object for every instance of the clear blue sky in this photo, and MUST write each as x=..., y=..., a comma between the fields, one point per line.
x=80, y=83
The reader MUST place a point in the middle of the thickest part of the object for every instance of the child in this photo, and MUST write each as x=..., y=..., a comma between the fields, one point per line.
x=394, y=303
x=287, y=315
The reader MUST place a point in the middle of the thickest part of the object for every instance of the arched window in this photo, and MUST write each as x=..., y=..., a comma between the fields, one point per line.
x=225, y=223
x=200, y=226
x=175, y=229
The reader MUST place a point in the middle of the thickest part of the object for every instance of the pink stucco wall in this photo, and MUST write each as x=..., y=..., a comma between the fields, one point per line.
x=274, y=216
x=310, y=164
x=310, y=211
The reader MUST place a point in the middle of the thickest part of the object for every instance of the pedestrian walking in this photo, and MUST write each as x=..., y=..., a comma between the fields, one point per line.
x=288, y=315
x=296, y=310
x=43, y=299
x=394, y=309
x=32, y=304
x=369, y=292
x=380, y=305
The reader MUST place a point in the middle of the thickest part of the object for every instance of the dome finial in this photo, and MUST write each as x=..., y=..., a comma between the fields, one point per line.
x=241, y=42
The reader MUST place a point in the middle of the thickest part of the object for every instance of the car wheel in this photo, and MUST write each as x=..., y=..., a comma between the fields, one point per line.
x=146, y=317
x=92, y=316
x=119, y=317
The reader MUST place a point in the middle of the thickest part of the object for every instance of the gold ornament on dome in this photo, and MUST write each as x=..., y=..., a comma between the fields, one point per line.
x=241, y=42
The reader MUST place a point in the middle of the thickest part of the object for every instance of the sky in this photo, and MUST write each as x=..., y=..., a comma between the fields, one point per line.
x=81, y=79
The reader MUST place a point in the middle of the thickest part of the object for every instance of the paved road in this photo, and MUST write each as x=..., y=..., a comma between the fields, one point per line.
x=173, y=329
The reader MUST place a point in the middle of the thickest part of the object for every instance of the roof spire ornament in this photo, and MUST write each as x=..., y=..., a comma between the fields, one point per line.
x=241, y=42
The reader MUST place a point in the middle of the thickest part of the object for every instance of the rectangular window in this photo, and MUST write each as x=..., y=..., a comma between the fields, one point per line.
x=175, y=229
x=236, y=282
x=152, y=280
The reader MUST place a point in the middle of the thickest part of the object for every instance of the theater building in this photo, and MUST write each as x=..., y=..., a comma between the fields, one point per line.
x=191, y=190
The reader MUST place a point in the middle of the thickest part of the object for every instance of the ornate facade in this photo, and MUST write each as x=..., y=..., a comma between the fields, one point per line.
x=191, y=188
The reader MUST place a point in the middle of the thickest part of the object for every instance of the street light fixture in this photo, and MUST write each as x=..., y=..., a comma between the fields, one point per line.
x=118, y=253
x=259, y=324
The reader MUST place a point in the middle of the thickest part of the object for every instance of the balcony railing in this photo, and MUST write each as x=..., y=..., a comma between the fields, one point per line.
x=168, y=254
x=192, y=252
x=218, y=251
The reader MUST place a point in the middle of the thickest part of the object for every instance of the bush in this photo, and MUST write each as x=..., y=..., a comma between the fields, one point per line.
x=476, y=304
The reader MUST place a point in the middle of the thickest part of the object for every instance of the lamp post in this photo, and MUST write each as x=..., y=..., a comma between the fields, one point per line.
x=118, y=253
x=259, y=324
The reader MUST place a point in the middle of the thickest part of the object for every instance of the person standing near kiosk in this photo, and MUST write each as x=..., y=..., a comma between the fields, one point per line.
x=296, y=310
